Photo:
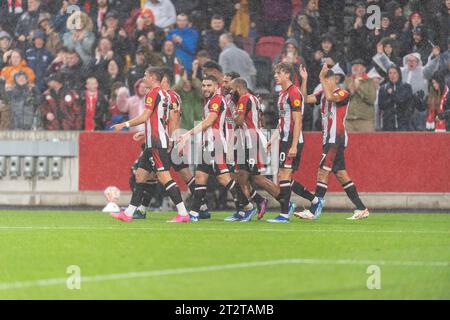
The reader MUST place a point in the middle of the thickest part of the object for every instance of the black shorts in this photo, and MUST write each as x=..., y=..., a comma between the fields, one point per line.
x=289, y=163
x=155, y=159
x=333, y=157
x=255, y=161
x=213, y=165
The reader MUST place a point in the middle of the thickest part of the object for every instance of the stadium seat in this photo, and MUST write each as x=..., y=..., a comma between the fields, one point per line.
x=269, y=46
x=264, y=76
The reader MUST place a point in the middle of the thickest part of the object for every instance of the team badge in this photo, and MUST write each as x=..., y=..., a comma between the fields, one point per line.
x=215, y=107
x=241, y=107
x=149, y=100
x=297, y=103
x=341, y=93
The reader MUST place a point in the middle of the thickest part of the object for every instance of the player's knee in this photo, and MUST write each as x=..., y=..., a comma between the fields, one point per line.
x=141, y=176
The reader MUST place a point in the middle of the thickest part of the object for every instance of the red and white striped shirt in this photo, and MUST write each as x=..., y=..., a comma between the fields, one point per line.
x=333, y=117
x=290, y=100
x=216, y=132
x=250, y=106
x=157, y=101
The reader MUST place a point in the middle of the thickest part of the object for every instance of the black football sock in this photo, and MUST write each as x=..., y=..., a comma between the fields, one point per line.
x=136, y=197
x=321, y=189
x=302, y=191
x=173, y=191
x=285, y=196
x=149, y=192
x=240, y=199
x=352, y=193
x=199, y=196
x=255, y=196
x=191, y=185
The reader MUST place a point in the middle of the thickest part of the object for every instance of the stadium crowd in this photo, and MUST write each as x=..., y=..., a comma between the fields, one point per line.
x=63, y=68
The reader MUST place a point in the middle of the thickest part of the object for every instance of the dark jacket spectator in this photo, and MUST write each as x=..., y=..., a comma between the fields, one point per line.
x=5, y=46
x=5, y=109
x=358, y=34
x=443, y=25
x=73, y=71
x=28, y=21
x=137, y=71
x=23, y=100
x=10, y=12
x=147, y=32
x=395, y=12
x=186, y=40
x=112, y=30
x=60, y=109
x=394, y=100
x=276, y=16
x=39, y=59
x=94, y=107
x=386, y=31
x=171, y=61
x=305, y=28
x=210, y=37
x=420, y=44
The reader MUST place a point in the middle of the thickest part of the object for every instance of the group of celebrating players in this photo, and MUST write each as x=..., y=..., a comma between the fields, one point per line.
x=234, y=148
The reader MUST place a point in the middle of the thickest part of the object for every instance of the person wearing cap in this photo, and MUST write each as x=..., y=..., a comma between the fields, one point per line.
x=5, y=45
x=362, y=99
x=420, y=43
x=53, y=41
x=164, y=11
x=60, y=108
x=39, y=59
x=24, y=99
x=146, y=28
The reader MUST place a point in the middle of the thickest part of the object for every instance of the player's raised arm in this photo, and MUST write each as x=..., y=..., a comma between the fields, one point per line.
x=325, y=75
x=312, y=99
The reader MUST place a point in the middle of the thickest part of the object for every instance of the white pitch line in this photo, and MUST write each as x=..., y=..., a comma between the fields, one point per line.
x=221, y=229
x=244, y=265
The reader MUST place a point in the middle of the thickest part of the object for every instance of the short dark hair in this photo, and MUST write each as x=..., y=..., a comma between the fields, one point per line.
x=211, y=78
x=217, y=17
x=241, y=82
x=330, y=74
x=212, y=65
x=233, y=75
x=158, y=72
x=203, y=54
x=168, y=73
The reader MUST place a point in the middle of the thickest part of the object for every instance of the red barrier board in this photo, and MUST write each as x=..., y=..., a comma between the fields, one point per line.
x=377, y=162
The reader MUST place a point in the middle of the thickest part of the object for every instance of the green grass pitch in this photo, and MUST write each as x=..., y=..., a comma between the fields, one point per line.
x=152, y=259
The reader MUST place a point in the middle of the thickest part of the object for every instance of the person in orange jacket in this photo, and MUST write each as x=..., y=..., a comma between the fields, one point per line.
x=15, y=63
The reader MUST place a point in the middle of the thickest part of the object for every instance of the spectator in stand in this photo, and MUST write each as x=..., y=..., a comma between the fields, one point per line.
x=438, y=118
x=60, y=108
x=171, y=61
x=114, y=115
x=421, y=44
x=395, y=100
x=94, y=106
x=290, y=54
x=103, y=54
x=377, y=80
x=10, y=12
x=305, y=28
x=164, y=11
x=68, y=7
x=28, y=22
x=98, y=14
x=386, y=31
x=113, y=74
x=145, y=27
x=358, y=34
x=59, y=62
x=185, y=39
x=444, y=66
x=395, y=12
x=210, y=37
x=39, y=59
x=276, y=16
x=134, y=105
x=5, y=109
x=14, y=62
x=406, y=37
x=443, y=24
x=53, y=40
x=362, y=90
x=137, y=71
x=190, y=91
x=5, y=46
x=201, y=58
x=73, y=72
x=385, y=52
x=80, y=38
x=23, y=99
x=121, y=44
x=232, y=58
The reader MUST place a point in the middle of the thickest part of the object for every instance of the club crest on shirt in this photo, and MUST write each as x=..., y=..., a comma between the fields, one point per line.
x=215, y=107
x=149, y=100
x=297, y=103
x=241, y=107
